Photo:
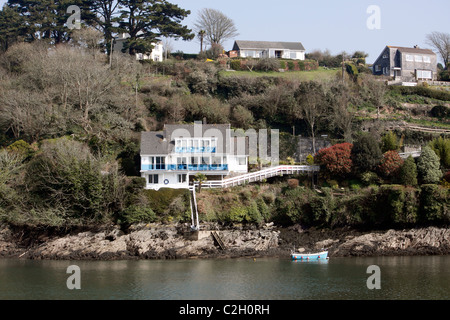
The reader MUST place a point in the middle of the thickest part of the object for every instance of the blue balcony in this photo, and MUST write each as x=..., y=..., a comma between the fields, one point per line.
x=196, y=150
x=185, y=167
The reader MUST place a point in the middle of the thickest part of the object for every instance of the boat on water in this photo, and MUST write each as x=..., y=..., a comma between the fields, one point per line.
x=323, y=255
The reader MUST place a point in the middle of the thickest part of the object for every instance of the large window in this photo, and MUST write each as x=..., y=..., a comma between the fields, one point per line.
x=424, y=74
x=427, y=59
x=409, y=57
x=182, y=178
x=418, y=58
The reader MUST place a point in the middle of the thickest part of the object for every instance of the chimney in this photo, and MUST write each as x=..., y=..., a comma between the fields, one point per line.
x=416, y=47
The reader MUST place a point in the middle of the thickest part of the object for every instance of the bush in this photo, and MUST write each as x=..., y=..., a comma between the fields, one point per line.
x=137, y=214
x=435, y=204
x=428, y=166
x=366, y=153
x=389, y=142
x=441, y=147
x=440, y=112
x=390, y=164
x=369, y=178
x=236, y=65
x=267, y=64
x=336, y=160
x=408, y=172
x=291, y=65
x=421, y=91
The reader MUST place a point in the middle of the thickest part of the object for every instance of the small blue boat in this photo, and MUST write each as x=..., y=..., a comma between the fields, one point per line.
x=309, y=256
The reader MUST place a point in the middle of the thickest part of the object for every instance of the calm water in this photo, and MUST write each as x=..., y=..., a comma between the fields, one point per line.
x=409, y=278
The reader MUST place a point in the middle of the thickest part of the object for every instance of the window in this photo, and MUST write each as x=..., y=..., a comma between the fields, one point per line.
x=182, y=178
x=242, y=161
x=424, y=74
x=427, y=59
x=153, y=179
x=409, y=57
x=418, y=58
x=160, y=163
x=377, y=68
x=293, y=55
x=385, y=56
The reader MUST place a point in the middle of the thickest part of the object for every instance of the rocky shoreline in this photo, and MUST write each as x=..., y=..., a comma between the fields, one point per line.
x=158, y=241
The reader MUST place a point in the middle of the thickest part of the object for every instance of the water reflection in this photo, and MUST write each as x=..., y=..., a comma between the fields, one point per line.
x=242, y=279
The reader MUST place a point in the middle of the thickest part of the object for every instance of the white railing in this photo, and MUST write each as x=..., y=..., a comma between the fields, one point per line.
x=258, y=176
x=414, y=154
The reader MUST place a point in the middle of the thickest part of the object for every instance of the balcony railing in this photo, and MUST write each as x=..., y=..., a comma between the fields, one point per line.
x=196, y=150
x=186, y=167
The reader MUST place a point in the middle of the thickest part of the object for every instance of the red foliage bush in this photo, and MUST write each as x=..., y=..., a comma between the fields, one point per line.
x=390, y=164
x=336, y=160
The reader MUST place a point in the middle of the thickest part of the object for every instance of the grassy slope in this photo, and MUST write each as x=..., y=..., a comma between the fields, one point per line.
x=320, y=74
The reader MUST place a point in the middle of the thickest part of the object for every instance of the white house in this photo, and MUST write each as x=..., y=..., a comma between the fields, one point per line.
x=172, y=157
x=157, y=53
x=269, y=49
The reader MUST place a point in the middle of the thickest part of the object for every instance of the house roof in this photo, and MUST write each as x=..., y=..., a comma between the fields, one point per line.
x=243, y=44
x=163, y=142
x=413, y=50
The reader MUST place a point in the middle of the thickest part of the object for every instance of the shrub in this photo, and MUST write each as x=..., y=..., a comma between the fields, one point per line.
x=390, y=164
x=408, y=172
x=267, y=64
x=336, y=160
x=138, y=214
x=366, y=153
x=236, y=65
x=441, y=147
x=291, y=65
x=441, y=112
x=428, y=166
x=369, y=178
x=283, y=65
x=435, y=203
x=389, y=142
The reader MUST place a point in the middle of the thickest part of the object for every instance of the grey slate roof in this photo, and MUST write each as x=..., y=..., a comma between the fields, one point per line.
x=163, y=142
x=413, y=50
x=262, y=45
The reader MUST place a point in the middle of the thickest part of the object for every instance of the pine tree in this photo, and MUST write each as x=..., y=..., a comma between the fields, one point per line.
x=148, y=21
x=428, y=166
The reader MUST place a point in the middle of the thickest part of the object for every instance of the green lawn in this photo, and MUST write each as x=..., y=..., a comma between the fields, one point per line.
x=320, y=74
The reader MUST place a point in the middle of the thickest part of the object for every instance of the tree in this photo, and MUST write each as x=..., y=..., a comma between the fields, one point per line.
x=389, y=142
x=311, y=106
x=390, y=164
x=366, y=153
x=374, y=92
x=104, y=18
x=217, y=26
x=200, y=178
x=441, y=42
x=441, y=147
x=428, y=166
x=336, y=160
x=147, y=21
x=408, y=172
x=47, y=19
x=12, y=27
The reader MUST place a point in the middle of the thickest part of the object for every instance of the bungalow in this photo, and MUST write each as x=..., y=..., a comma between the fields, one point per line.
x=157, y=53
x=267, y=49
x=406, y=64
x=172, y=157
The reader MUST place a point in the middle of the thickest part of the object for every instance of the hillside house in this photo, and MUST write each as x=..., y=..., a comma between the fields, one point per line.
x=406, y=64
x=157, y=53
x=268, y=49
x=172, y=157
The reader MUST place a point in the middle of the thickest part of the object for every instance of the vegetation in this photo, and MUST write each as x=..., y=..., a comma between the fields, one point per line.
x=71, y=118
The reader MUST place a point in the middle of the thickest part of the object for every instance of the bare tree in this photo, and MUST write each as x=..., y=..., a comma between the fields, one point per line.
x=217, y=26
x=311, y=106
x=441, y=42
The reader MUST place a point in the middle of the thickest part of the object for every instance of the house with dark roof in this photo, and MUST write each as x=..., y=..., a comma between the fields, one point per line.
x=269, y=49
x=406, y=64
x=172, y=157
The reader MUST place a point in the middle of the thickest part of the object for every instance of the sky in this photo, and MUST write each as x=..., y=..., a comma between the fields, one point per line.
x=336, y=25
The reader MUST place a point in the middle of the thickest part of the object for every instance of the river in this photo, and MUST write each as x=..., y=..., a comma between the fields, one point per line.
x=400, y=278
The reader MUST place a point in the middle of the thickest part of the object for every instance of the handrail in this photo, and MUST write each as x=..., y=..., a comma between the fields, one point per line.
x=259, y=175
